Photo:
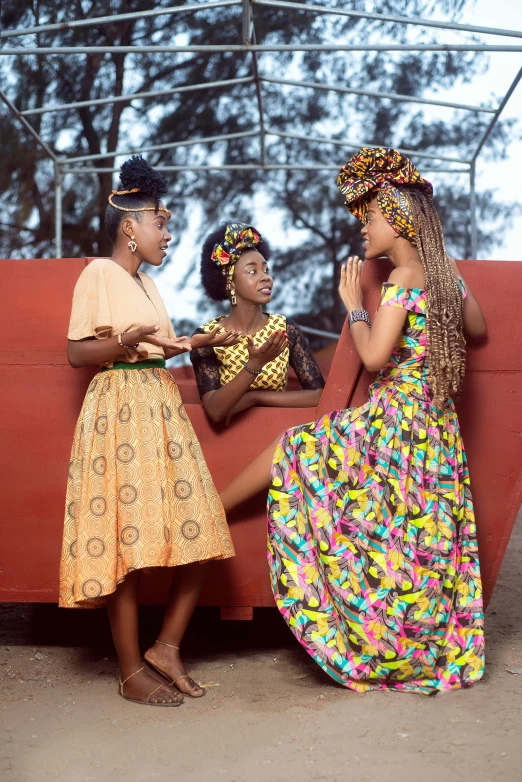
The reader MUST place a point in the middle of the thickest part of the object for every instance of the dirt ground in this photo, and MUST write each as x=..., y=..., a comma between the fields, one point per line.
x=274, y=715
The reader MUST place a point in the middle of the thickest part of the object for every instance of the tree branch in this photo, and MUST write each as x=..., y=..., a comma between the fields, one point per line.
x=160, y=75
x=20, y=227
x=299, y=218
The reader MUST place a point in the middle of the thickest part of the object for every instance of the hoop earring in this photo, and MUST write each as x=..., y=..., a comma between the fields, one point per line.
x=132, y=244
x=233, y=299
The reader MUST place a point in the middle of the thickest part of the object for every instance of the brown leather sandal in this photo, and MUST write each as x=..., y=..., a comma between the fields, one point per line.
x=178, y=678
x=148, y=702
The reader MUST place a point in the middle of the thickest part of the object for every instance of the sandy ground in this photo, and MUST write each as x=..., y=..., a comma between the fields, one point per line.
x=275, y=716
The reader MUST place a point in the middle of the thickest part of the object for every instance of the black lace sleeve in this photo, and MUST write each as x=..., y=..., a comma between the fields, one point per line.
x=206, y=368
x=302, y=360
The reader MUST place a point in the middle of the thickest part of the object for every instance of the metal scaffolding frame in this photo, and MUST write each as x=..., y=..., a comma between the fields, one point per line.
x=64, y=166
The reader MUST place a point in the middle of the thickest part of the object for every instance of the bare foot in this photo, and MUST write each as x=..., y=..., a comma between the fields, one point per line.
x=167, y=661
x=146, y=688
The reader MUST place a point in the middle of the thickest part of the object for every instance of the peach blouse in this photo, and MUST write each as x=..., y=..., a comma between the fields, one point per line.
x=108, y=301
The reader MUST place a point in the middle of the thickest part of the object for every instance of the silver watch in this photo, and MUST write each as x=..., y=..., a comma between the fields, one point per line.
x=356, y=315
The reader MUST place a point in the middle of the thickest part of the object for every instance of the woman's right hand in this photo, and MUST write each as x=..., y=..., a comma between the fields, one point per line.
x=217, y=338
x=259, y=355
x=139, y=334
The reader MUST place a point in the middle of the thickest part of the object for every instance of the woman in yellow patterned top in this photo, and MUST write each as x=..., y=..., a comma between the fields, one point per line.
x=254, y=371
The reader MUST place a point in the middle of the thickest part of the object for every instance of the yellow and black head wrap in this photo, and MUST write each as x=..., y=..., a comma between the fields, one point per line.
x=238, y=237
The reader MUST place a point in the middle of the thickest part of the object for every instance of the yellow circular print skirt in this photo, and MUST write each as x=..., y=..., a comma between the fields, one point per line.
x=139, y=493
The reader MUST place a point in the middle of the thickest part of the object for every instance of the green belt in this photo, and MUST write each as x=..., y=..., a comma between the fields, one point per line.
x=152, y=362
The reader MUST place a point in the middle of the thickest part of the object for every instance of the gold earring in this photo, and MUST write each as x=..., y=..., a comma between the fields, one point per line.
x=233, y=299
x=132, y=244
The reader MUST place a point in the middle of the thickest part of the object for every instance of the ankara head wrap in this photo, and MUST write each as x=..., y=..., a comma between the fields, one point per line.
x=382, y=173
x=238, y=237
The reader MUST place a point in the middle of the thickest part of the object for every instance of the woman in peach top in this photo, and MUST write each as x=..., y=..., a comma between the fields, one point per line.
x=139, y=493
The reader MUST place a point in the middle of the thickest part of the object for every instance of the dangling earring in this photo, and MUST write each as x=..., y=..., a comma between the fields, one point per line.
x=132, y=244
x=233, y=299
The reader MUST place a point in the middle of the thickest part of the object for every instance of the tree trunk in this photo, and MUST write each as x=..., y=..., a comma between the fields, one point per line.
x=105, y=186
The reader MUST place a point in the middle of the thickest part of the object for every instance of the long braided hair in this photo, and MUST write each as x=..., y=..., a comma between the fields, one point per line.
x=446, y=346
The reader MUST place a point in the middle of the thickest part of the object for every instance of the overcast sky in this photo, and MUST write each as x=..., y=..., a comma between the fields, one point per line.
x=505, y=176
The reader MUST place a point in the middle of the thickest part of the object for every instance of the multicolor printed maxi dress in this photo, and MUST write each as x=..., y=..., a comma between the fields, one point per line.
x=371, y=532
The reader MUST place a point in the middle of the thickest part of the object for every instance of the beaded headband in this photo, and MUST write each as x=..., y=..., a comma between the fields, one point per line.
x=136, y=209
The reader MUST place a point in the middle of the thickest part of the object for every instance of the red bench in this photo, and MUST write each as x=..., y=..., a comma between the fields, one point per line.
x=41, y=397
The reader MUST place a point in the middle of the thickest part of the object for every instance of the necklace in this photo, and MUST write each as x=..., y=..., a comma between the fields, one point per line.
x=142, y=286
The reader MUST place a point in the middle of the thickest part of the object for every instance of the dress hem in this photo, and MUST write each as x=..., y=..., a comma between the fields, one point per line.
x=100, y=601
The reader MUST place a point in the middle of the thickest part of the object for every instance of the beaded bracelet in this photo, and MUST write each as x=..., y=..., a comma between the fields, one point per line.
x=356, y=315
x=123, y=345
x=252, y=371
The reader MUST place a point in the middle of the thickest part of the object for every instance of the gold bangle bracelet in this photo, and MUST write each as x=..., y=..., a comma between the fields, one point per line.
x=123, y=345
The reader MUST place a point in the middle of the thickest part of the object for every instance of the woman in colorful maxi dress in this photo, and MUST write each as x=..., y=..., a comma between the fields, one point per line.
x=139, y=493
x=254, y=371
x=371, y=532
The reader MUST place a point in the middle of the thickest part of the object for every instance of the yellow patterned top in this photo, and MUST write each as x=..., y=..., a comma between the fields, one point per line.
x=232, y=359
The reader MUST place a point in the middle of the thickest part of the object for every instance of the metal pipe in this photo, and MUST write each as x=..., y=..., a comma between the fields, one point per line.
x=232, y=167
x=157, y=147
x=139, y=95
x=446, y=170
x=390, y=96
x=259, y=94
x=27, y=126
x=96, y=20
x=246, y=21
x=498, y=112
x=351, y=145
x=466, y=28
x=58, y=209
x=272, y=3
x=473, y=212
x=247, y=167
x=300, y=47
x=319, y=333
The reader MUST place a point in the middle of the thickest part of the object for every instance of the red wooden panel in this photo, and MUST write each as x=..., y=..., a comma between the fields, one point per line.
x=490, y=407
x=41, y=397
x=243, y=580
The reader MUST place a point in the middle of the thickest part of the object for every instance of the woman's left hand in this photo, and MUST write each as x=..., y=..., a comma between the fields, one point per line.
x=350, y=284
